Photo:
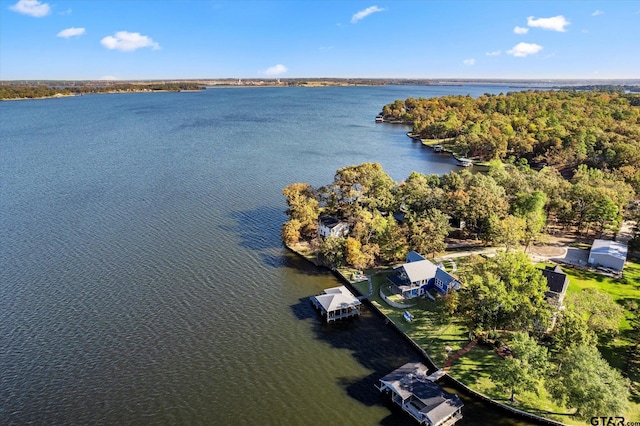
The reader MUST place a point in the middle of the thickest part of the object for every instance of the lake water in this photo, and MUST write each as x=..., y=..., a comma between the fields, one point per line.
x=142, y=277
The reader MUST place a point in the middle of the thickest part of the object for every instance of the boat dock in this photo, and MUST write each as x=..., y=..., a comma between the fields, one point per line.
x=418, y=395
x=337, y=303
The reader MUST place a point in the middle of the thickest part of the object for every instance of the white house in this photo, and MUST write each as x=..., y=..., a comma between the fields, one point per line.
x=608, y=254
x=330, y=226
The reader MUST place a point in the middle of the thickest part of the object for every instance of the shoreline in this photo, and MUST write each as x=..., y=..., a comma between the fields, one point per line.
x=452, y=381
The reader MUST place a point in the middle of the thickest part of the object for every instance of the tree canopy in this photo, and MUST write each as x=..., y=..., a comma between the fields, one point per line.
x=600, y=129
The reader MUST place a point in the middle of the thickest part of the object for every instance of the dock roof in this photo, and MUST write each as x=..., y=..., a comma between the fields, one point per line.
x=410, y=381
x=336, y=298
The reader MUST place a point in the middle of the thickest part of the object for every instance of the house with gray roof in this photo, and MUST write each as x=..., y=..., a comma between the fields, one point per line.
x=410, y=388
x=608, y=254
x=416, y=277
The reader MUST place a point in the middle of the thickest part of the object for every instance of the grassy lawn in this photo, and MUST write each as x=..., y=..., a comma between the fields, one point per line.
x=439, y=335
x=616, y=350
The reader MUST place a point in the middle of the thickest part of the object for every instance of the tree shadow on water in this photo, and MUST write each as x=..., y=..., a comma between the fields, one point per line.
x=259, y=231
x=373, y=344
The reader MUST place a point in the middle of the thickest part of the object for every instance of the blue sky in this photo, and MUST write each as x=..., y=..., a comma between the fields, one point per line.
x=167, y=39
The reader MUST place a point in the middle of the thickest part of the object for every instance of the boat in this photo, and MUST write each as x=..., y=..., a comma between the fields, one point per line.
x=438, y=148
x=464, y=162
x=379, y=119
x=407, y=316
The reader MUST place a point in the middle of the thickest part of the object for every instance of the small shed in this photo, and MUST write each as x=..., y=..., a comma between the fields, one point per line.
x=608, y=254
x=336, y=303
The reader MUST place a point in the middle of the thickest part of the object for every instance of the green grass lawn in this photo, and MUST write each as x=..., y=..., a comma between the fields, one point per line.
x=616, y=349
x=439, y=335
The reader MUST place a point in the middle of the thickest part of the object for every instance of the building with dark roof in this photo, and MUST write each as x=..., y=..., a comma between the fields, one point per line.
x=410, y=388
x=330, y=226
x=557, y=283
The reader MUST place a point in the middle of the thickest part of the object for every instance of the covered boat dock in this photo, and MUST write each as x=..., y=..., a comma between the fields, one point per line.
x=416, y=393
x=337, y=303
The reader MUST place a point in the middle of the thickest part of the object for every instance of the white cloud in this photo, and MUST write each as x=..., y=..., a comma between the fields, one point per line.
x=520, y=30
x=469, y=61
x=109, y=77
x=494, y=53
x=597, y=12
x=364, y=13
x=556, y=23
x=275, y=70
x=127, y=42
x=32, y=8
x=521, y=50
x=71, y=32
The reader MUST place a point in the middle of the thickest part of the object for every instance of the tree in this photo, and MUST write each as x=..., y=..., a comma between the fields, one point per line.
x=354, y=255
x=508, y=231
x=530, y=207
x=571, y=329
x=303, y=207
x=506, y=291
x=291, y=231
x=331, y=252
x=390, y=238
x=524, y=369
x=586, y=382
x=428, y=231
x=600, y=312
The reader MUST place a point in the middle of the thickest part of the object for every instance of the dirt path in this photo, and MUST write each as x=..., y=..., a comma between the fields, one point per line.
x=449, y=361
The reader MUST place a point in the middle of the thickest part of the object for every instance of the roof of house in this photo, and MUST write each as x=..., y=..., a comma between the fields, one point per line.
x=611, y=248
x=557, y=280
x=336, y=298
x=420, y=270
x=410, y=380
x=414, y=256
x=445, y=277
x=329, y=221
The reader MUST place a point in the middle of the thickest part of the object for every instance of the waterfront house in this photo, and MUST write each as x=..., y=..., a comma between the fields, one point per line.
x=330, y=226
x=608, y=254
x=557, y=283
x=336, y=303
x=410, y=388
x=418, y=275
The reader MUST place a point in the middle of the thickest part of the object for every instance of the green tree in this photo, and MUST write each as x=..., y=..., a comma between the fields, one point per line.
x=600, y=312
x=586, y=382
x=524, y=369
x=428, y=231
x=506, y=291
x=508, y=231
x=331, y=252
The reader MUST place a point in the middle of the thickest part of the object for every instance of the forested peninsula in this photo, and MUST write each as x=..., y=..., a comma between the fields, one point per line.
x=559, y=164
x=37, y=91
x=563, y=129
